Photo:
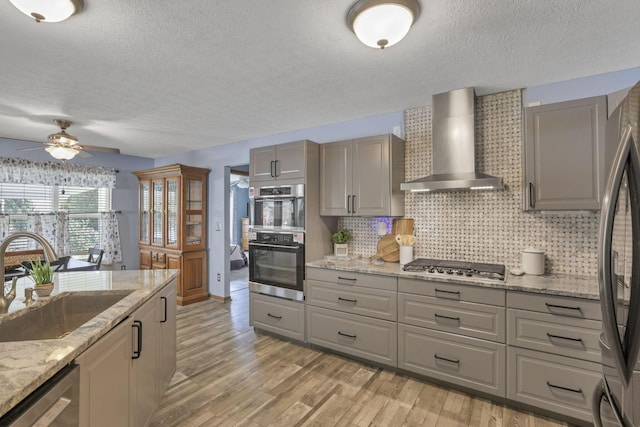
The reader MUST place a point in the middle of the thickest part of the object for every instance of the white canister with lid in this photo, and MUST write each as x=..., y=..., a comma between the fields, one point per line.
x=533, y=261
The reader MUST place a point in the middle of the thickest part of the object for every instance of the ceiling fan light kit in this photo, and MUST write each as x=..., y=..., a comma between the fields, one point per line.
x=382, y=23
x=48, y=10
x=62, y=153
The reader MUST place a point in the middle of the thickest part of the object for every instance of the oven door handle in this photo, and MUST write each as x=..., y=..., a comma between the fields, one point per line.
x=275, y=246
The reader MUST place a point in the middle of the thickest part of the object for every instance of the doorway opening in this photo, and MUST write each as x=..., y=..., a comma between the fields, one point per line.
x=239, y=228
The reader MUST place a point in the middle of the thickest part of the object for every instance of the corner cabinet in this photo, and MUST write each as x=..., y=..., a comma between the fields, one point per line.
x=173, y=228
x=361, y=177
x=564, y=155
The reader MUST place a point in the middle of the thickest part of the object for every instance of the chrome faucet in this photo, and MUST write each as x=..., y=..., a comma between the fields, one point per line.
x=49, y=256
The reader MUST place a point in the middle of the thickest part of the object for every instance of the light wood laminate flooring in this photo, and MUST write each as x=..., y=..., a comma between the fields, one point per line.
x=229, y=375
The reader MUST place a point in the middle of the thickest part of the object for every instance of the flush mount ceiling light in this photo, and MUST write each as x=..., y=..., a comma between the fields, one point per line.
x=48, y=10
x=382, y=23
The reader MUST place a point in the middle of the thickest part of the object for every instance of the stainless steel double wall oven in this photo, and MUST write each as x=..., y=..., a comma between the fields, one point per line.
x=276, y=241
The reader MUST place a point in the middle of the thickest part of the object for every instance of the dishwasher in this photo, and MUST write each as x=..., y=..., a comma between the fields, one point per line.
x=55, y=403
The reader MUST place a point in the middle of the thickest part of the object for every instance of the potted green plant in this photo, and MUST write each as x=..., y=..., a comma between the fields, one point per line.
x=42, y=275
x=340, y=239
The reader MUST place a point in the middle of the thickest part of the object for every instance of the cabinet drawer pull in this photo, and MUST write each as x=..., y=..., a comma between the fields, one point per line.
x=347, y=335
x=164, y=300
x=274, y=316
x=559, y=387
x=564, y=338
x=353, y=204
x=347, y=278
x=563, y=307
x=436, y=315
x=348, y=300
x=446, y=359
x=137, y=324
x=452, y=293
x=348, y=204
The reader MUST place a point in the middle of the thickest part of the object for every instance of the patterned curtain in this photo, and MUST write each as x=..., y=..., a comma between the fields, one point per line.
x=4, y=227
x=110, y=238
x=53, y=227
x=22, y=171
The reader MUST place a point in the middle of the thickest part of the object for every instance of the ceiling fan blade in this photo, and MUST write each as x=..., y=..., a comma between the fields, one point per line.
x=82, y=153
x=103, y=149
x=30, y=149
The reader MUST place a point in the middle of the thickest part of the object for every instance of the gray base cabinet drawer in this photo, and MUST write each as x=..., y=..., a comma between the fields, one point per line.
x=559, y=306
x=577, y=338
x=353, y=299
x=469, y=362
x=475, y=320
x=280, y=316
x=451, y=291
x=360, y=336
x=347, y=278
x=555, y=383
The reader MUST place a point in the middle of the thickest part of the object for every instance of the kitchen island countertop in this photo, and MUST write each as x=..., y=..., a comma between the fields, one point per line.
x=550, y=284
x=25, y=365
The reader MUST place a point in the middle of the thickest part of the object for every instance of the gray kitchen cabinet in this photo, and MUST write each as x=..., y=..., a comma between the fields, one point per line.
x=468, y=362
x=364, y=337
x=353, y=313
x=105, y=398
x=277, y=315
x=143, y=375
x=453, y=332
x=167, y=348
x=553, y=353
x=555, y=383
x=124, y=375
x=361, y=177
x=277, y=162
x=564, y=155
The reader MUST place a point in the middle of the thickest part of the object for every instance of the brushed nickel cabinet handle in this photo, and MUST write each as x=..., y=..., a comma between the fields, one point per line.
x=348, y=300
x=273, y=316
x=353, y=203
x=349, y=204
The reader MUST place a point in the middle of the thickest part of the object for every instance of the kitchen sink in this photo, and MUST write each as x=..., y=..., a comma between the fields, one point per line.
x=57, y=318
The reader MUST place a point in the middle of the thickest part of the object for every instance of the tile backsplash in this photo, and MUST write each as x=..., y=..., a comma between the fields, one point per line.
x=485, y=226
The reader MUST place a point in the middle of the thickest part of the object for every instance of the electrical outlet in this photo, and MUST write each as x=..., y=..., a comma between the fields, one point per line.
x=218, y=277
x=218, y=226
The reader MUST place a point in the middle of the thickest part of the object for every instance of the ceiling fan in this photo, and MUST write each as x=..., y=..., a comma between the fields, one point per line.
x=64, y=146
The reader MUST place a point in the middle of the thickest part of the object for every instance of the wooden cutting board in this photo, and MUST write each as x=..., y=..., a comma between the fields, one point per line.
x=402, y=226
x=388, y=249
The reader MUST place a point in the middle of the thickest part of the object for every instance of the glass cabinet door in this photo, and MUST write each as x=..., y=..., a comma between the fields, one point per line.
x=194, y=214
x=173, y=204
x=145, y=210
x=158, y=212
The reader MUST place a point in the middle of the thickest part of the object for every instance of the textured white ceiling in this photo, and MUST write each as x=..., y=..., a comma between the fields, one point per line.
x=159, y=77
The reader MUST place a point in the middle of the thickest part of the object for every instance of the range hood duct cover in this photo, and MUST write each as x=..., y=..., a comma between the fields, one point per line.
x=453, y=155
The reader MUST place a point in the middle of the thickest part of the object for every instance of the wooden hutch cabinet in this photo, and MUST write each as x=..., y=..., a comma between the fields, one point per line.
x=173, y=226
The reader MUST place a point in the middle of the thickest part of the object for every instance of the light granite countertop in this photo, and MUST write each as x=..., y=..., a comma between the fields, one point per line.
x=25, y=365
x=550, y=284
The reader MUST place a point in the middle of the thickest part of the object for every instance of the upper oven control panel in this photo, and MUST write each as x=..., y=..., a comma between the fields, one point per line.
x=276, y=238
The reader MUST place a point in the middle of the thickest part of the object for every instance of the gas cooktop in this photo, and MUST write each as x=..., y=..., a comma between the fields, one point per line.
x=456, y=268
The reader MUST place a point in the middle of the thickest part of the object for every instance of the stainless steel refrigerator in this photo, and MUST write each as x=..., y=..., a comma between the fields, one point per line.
x=616, y=402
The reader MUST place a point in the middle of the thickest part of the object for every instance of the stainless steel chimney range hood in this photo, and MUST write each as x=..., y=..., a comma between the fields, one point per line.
x=453, y=155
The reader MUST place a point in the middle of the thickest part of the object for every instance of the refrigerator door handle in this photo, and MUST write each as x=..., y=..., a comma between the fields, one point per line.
x=608, y=296
x=632, y=332
x=596, y=401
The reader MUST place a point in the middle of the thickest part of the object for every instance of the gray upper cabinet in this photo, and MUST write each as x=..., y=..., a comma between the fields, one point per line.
x=361, y=177
x=277, y=162
x=564, y=155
